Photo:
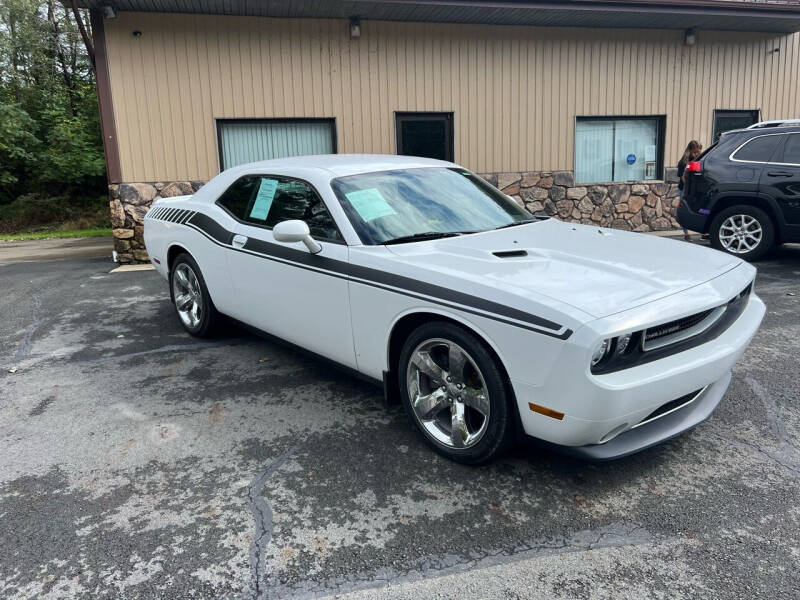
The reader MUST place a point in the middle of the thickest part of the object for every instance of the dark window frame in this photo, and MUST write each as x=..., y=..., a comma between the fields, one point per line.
x=661, y=134
x=267, y=227
x=777, y=151
x=219, y=122
x=715, y=135
x=447, y=116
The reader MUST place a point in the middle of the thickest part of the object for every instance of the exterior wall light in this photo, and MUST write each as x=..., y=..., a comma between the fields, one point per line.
x=690, y=37
x=109, y=12
x=355, y=27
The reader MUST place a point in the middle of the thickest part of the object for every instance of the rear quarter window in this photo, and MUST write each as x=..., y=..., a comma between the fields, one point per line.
x=758, y=149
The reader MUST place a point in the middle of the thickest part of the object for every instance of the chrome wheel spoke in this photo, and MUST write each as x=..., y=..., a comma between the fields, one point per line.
x=424, y=363
x=457, y=360
x=476, y=399
x=183, y=302
x=459, y=433
x=180, y=275
x=428, y=406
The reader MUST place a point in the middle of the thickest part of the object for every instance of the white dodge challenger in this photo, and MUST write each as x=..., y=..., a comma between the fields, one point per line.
x=489, y=323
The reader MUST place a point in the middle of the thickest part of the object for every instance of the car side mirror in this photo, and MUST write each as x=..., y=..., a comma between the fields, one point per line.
x=295, y=230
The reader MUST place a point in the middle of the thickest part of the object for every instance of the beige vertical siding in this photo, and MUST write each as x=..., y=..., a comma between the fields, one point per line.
x=515, y=91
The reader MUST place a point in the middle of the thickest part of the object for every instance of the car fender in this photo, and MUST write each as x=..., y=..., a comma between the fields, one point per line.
x=451, y=315
x=757, y=198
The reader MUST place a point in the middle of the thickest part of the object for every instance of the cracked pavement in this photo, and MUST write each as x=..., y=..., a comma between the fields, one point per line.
x=138, y=462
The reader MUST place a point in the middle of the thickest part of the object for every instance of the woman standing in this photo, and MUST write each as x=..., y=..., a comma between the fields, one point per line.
x=693, y=150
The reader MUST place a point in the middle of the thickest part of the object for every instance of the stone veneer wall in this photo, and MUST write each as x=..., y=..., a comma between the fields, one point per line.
x=647, y=206
x=641, y=206
x=129, y=203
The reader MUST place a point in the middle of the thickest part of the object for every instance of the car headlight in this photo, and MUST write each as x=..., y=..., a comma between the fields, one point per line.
x=601, y=351
x=622, y=342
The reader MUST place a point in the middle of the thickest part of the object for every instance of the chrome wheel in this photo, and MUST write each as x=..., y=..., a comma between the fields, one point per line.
x=448, y=393
x=188, y=296
x=739, y=234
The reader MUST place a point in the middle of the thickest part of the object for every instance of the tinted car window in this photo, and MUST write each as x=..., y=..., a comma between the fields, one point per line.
x=237, y=197
x=791, y=151
x=758, y=149
x=267, y=201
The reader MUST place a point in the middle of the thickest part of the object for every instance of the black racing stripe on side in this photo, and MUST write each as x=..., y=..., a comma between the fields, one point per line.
x=449, y=295
x=298, y=256
x=560, y=336
x=176, y=216
x=166, y=216
x=211, y=228
x=186, y=217
x=153, y=213
x=406, y=283
x=376, y=278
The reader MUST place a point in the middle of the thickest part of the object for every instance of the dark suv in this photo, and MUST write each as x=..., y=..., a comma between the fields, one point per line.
x=744, y=191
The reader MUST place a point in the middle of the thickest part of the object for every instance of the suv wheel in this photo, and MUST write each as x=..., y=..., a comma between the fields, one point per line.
x=744, y=231
x=455, y=394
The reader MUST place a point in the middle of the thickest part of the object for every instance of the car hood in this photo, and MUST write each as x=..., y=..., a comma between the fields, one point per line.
x=596, y=270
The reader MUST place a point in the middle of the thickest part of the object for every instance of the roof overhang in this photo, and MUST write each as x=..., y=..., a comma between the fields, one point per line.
x=776, y=16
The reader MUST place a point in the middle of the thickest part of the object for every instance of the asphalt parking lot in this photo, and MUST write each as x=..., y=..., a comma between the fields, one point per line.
x=138, y=462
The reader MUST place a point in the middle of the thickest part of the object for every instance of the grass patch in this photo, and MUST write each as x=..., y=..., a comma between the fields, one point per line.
x=46, y=235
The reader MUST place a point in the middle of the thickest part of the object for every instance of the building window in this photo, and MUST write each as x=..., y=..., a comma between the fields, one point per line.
x=249, y=140
x=726, y=120
x=611, y=149
x=425, y=134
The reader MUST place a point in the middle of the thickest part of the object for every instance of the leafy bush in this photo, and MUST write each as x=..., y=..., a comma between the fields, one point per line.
x=35, y=212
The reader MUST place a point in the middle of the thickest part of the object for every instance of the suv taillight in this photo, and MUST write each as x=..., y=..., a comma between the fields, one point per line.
x=694, y=167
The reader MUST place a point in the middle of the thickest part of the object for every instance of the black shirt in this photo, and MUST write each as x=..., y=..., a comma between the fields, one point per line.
x=681, y=169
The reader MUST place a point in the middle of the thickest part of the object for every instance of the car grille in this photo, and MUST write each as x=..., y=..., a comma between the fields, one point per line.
x=691, y=326
x=660, y=331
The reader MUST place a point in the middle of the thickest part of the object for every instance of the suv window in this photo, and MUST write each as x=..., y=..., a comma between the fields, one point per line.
x=758, y=149
x=791, y=151
x=266, y=201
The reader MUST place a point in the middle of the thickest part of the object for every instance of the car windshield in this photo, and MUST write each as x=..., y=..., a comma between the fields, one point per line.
x=423, y=203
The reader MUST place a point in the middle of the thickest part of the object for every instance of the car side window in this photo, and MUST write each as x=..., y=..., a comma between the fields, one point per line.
x=236, y=199
x=791, y=151
x=758, y=149
x=266, y=201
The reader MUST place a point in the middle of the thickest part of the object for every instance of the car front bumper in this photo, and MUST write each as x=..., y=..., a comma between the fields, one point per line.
x=653, y=432
x=602, y=413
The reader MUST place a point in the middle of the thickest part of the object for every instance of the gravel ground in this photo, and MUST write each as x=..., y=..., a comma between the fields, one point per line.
x=138, y=462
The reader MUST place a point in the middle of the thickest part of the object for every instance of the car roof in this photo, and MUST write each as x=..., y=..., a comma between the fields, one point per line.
x=764, y=130
x=317, y=170
x=340, y=165
x=775, y=123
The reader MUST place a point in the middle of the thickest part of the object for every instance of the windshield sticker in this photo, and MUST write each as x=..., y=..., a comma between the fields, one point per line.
x=369, y=204
x=266, y=192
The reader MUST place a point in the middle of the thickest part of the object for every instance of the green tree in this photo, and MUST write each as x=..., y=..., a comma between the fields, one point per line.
x=48, y=104
x=19, y=148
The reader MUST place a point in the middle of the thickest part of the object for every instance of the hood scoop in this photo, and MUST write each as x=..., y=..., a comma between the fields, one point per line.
x=510, y=253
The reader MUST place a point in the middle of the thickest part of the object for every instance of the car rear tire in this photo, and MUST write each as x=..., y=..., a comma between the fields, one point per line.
x=194, y=307
x=744, y=231
x=454, y=391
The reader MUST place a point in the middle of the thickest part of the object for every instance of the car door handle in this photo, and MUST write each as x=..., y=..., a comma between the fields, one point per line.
x=779, y=174
x=239, y=241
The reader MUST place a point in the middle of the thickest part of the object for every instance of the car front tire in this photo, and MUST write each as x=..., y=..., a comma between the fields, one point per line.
x=454, y=391
x=744, y=231
x=193, y=304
